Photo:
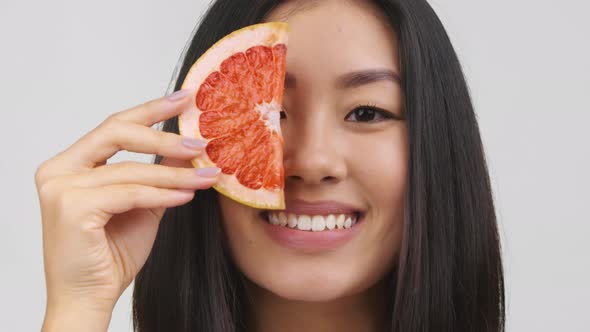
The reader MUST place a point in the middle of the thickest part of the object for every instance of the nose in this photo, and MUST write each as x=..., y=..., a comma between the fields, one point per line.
x=311, y=152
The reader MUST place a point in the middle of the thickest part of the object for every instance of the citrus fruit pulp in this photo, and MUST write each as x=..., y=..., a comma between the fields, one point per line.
x=239, y=86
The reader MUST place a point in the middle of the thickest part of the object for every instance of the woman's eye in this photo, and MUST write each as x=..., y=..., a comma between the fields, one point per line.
x=368, y=114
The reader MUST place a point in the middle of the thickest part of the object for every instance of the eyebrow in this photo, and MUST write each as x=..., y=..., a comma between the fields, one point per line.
x=354, y=79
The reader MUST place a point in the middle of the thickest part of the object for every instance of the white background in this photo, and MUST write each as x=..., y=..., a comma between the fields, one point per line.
x=66, y=65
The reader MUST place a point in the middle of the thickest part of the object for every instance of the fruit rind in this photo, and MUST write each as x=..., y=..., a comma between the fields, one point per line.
x=265, y=34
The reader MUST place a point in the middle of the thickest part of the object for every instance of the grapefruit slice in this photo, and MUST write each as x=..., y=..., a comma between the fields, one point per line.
x=239, y=86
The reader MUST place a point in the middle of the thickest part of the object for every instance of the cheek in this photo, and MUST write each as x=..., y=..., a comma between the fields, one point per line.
x=378, y=166
x=238, y=227
x=378, y=163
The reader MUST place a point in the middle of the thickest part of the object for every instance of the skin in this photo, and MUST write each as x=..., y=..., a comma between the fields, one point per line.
x=108, y=214
x=330, y=155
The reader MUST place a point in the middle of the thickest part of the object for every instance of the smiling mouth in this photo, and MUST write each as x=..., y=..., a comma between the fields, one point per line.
x=313, y=223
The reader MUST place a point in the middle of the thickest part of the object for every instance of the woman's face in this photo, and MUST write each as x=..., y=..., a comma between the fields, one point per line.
x=351, y=160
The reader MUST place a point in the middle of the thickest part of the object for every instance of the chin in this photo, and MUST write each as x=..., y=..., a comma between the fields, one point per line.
x=298, y=291
x=308, y=284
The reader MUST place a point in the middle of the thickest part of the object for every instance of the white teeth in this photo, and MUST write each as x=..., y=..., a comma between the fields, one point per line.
x=318, y=223
x=292, y=221
x=340, y=221
x=274, y=219
x=282, y=219
x=330, y=222
x=348, y=223
x=304, y=223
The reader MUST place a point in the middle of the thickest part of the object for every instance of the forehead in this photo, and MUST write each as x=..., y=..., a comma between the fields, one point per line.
x=334, y=36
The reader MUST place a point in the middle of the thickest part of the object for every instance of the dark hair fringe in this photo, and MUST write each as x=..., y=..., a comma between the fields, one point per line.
x=449, y=275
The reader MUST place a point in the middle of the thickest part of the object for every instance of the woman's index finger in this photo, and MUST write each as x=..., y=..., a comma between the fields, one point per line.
x=158, y=110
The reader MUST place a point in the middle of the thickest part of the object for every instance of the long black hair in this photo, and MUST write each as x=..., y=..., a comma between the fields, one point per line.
x=449, y=275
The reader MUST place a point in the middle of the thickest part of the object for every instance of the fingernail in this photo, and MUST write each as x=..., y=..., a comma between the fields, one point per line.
x=194, y=143
x=178, y=95
x=208, y=171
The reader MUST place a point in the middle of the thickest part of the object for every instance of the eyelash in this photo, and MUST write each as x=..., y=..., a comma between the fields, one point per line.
x=385, y=114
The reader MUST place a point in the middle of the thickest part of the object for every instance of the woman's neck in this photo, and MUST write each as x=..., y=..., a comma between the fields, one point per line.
x=365, y=311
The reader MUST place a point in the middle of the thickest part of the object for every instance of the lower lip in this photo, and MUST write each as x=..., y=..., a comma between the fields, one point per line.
x=309, y=241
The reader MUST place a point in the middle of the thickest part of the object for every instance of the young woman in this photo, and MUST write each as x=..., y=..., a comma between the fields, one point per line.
x=378, y=127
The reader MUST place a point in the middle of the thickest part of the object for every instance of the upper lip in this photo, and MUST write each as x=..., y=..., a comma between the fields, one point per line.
x=320, y=207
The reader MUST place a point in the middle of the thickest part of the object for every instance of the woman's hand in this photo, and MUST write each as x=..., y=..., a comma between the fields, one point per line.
x=100, y=220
